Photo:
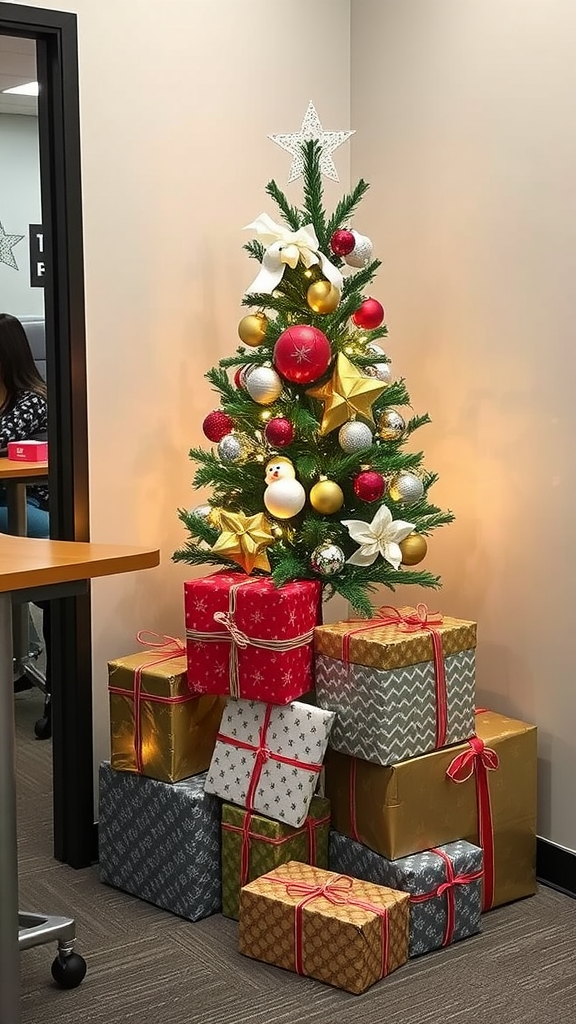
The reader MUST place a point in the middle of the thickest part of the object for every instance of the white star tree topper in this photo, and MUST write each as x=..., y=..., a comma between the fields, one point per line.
x=380, y=537
x=312, y=129
x=7, y=243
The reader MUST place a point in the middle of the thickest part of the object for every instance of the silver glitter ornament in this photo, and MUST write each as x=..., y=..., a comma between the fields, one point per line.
x=406, y=487
x=362, y=253
x=327, y=559
x=202, y=514
x=263, y=385
x=391, y=425
x=354, y=437
x=382, y=371
x=229, y=448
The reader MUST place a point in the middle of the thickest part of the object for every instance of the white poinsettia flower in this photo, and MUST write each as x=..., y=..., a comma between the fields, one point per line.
x=380, y=537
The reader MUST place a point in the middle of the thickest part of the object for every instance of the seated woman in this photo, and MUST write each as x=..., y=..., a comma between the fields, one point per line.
x=23, y=414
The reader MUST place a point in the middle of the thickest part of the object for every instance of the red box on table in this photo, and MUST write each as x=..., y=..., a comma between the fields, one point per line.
x=28, y=451
x=250, y=639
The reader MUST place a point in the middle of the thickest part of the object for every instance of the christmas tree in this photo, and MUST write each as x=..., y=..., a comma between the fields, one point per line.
x=312, y=476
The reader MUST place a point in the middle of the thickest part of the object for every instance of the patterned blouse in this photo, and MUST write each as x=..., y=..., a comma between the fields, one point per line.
x=26, y=417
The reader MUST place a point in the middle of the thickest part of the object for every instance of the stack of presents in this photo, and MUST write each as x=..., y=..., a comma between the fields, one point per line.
x=334, y=788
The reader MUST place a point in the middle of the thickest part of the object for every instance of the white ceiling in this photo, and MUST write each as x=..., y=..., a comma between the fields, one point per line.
x=17, y=67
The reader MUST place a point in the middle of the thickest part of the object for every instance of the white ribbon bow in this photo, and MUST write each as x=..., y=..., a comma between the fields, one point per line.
x=286, y=248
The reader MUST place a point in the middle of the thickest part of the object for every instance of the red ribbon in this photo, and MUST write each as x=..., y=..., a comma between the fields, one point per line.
x=264, y=754
x=165, y=649
x=353, y=822
x=309, y=827
x=447, y=888
x=478, y=760
x=420, y=620
x=336, y=892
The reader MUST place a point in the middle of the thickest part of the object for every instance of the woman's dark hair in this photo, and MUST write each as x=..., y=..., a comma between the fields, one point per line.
x=18, y=370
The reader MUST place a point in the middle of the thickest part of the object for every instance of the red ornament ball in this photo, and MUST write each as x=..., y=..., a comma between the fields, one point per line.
x=342, y=242
x=217, y=424
x=369, y=485
x=369, y=315
x=279, y=432
x=238, y=377
x=302, y=354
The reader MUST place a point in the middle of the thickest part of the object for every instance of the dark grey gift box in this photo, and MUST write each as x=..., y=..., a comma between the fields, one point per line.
x=161, y=841
x=420, y=874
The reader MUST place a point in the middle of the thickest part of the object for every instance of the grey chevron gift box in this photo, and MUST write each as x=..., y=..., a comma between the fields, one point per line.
x=383, y=687
x=161, y=841
x=435, y=920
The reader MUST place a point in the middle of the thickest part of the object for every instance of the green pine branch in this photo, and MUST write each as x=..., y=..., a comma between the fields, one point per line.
x=290, y=213
x=346, y=207
x=255, y=250
x=313, y=209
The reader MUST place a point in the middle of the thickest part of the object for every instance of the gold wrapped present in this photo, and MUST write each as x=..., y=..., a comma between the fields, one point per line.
x=157, y=727
x=331, y=927
x=394, y=644
x=483, y=791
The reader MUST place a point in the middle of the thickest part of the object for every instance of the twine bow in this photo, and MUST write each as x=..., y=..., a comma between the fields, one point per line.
x=288, y=248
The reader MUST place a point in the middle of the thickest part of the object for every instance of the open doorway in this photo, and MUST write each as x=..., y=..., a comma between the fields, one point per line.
x=45, y=42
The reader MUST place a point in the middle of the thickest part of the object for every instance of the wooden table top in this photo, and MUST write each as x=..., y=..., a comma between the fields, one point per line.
x=27, y=562
x=10, y=469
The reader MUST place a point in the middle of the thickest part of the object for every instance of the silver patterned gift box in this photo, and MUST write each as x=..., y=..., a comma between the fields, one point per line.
x=161, y=841
x=268, y=758
x=396, y=693
x=445, y=887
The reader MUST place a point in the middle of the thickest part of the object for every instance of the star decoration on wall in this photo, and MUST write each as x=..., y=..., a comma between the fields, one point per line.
x=7, y=243
x=348, y=393
x=312, y=129
x=244, y=539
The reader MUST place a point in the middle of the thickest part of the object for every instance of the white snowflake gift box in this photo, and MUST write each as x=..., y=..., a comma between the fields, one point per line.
x=250, y=639
x=268, y=758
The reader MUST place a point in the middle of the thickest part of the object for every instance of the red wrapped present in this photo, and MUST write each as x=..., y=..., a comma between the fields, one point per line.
x=249, y=638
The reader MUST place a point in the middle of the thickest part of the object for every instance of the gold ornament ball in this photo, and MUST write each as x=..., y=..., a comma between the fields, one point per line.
x=413, y=548
x=326, y=497
x=252, y=329
x=322, y=297
x=391, y=425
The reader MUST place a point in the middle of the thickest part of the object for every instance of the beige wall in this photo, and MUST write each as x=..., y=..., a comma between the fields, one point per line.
x=464, y=111
x=177, y=100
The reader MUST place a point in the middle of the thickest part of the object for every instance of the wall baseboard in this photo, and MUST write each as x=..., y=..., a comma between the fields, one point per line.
x=556, y=867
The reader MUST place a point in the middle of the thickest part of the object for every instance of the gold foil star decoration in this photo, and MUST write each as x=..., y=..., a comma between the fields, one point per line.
x=312, y=129
x=346, y=395
x=244, y=539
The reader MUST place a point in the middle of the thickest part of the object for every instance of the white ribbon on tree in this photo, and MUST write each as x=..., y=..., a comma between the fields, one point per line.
x=286, y=248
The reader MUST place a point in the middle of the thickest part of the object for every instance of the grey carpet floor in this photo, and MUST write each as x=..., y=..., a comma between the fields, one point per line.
x=145, y=965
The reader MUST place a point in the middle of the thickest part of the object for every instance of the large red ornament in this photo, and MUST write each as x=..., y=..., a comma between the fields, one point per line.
x=369, y=485
x=302, y=354
x=369, y=315
x=342, y=242
x=279, y=432
x=217, y=424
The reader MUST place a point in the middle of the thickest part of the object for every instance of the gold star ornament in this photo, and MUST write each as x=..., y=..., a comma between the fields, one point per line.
x=346, y=395
x=244, y=539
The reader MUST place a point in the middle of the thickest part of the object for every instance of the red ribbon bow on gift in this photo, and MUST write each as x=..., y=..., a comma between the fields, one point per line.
x=337, y=892
x=420, y=619
x=309, y=828
x=447, y=888
x=478, y=760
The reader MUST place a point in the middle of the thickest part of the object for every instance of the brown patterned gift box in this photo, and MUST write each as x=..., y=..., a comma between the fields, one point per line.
x=331, y=927
x=483, y=791
x=253, y=845
x=401, y=684
x=157, y=727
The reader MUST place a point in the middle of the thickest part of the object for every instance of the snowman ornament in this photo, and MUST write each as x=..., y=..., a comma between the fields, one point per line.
x=284, y=496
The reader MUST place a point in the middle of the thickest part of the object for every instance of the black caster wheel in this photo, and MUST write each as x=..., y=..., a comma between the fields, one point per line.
x=68, y=971
x=43, y=728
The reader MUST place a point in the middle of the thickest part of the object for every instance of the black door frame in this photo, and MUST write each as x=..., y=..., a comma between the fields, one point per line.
x=55, y=33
